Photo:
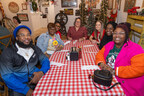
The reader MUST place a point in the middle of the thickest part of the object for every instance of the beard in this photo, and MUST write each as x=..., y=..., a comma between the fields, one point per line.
x=21, y=44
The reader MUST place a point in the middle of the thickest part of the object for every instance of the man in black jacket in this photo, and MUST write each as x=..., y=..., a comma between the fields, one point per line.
x=17, y=63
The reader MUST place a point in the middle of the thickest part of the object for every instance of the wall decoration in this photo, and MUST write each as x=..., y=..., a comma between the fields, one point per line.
x=24, y=6
x=23, y=16
x=143, y=4
x=13, y=7
x=68, y=11
x=45, y=4
x=77, y=12
x=110, y=4
x=129, y=4
x=92, y=3
x=69, y=3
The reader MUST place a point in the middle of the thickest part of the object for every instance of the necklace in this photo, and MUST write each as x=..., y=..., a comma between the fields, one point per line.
x=27, y=54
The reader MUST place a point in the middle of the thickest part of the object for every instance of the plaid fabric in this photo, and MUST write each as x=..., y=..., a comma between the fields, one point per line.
x=70, y=80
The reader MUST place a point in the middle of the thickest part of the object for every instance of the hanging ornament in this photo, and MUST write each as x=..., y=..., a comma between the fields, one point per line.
x=34, y=6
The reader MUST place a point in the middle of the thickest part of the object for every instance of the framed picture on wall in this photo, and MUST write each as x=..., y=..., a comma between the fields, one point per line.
x=110, y=4
x=143, y=4
x=69, y=3
x=129, y=4
x=23, y=16
x=24, y=6
x=68, y=11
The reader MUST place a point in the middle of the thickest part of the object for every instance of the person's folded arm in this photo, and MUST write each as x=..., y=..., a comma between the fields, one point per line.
x=69, y=34
x=91, y=38
x=13, y=83
x=135, y=69
x=40, y=41
x=100, y=57
x=44, y=61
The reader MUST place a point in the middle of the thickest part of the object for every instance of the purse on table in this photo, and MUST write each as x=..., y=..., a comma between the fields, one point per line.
x=103, y=77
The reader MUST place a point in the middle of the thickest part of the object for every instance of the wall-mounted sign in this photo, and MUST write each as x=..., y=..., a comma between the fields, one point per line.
x=13, y=7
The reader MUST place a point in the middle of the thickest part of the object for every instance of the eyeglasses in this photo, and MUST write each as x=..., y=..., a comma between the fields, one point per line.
x=58, y=26
x=121, y=33
x=22, y=35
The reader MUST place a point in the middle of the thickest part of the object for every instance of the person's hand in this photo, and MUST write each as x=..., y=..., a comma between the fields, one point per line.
x=94, y=41
x=59, y=47
x=80, y=39
x=69, y=38
x=29, y=93
x=37, y=76
x=106, y=67
x=47, y=55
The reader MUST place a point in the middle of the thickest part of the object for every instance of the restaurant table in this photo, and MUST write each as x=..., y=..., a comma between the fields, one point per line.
x=70, y=79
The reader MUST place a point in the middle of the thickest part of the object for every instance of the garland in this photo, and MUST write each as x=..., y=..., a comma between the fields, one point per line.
x=34, y=6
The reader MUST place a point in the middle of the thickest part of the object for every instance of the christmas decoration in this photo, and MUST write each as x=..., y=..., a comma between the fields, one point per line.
x=113, y=15
x=104, y=7
x=91, y=17
x=133, y=10
x=83, y=12
x=2, y=10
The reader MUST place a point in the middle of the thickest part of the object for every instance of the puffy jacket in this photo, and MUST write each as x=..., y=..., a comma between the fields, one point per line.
x=129, y=67
x=14, y=68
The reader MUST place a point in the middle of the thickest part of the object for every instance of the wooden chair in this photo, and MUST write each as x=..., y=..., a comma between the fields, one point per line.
x=9, y=42
x=4, y=90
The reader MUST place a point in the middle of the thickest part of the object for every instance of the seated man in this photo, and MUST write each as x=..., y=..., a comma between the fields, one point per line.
x=50, y=40
x=17, y=63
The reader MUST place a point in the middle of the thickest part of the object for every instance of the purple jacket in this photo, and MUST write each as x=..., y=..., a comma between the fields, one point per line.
x=133, y=86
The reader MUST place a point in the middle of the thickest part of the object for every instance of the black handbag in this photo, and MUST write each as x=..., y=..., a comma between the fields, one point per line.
x=103, y=77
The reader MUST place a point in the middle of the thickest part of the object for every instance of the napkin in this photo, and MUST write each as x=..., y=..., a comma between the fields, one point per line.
x=50, y=52
x=67, y=42
x=88, y=45
x=90, y=52
x=74, y=41
x=89, y=67
x=56, y=63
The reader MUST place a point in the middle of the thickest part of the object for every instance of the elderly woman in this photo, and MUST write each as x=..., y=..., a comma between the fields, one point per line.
x=50, y=41
x=124, y=59
x=77, y=32
x=110, y=27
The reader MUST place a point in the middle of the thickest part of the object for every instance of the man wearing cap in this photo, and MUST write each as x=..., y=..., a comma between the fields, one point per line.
x=18, y=63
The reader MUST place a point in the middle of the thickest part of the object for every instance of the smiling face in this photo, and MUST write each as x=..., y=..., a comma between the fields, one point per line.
x=109, y=30
x=52, y=31
x=98, y=26
x=23, y=35
x=78, y=23
x=57, y=25
x=119, y=36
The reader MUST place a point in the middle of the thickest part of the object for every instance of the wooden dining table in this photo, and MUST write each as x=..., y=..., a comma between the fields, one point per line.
x=69, y=79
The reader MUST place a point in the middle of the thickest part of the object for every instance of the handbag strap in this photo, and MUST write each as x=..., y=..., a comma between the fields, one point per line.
x=105, y=89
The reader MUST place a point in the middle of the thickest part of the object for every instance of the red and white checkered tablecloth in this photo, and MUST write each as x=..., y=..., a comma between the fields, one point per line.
x=70, y=80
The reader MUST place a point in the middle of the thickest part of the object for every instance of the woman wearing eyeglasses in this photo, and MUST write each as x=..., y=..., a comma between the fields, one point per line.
x=77, y=32
x=124, y=59
x=58, y=27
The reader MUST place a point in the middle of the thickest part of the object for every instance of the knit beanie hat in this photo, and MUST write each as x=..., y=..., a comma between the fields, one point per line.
x=18, y=28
